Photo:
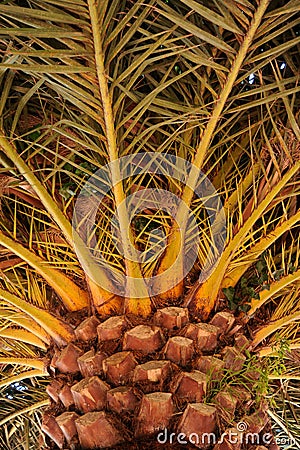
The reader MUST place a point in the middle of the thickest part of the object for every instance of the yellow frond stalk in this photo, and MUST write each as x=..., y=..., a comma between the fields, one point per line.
x=206, y=295
x=23, y=336
x=26, y=362
x=24, y=375
x=30, y=408
x=29, y=324
x=273, y=327
x=51, y=207
x=138, y=307
x=72, y=296
x=201, y=151
x=104, y=302
x=275, y=287
x=233, y=156
x=57, y=329
x=227, y=166
x=234, y=198
x=133, y=269
x=273, y=351
x=284, y=376
x=172, y=265
x=257, y=249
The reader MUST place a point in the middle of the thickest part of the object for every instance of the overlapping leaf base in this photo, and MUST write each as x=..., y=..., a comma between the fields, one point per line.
x=127, y=383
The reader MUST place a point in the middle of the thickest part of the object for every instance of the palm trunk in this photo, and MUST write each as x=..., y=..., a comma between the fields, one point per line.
x=124, y=386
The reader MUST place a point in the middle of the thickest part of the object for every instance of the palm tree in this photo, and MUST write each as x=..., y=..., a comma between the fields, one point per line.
x=149, y=185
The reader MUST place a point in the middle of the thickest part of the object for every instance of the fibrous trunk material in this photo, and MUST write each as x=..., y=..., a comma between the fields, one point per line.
x=130, y=383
